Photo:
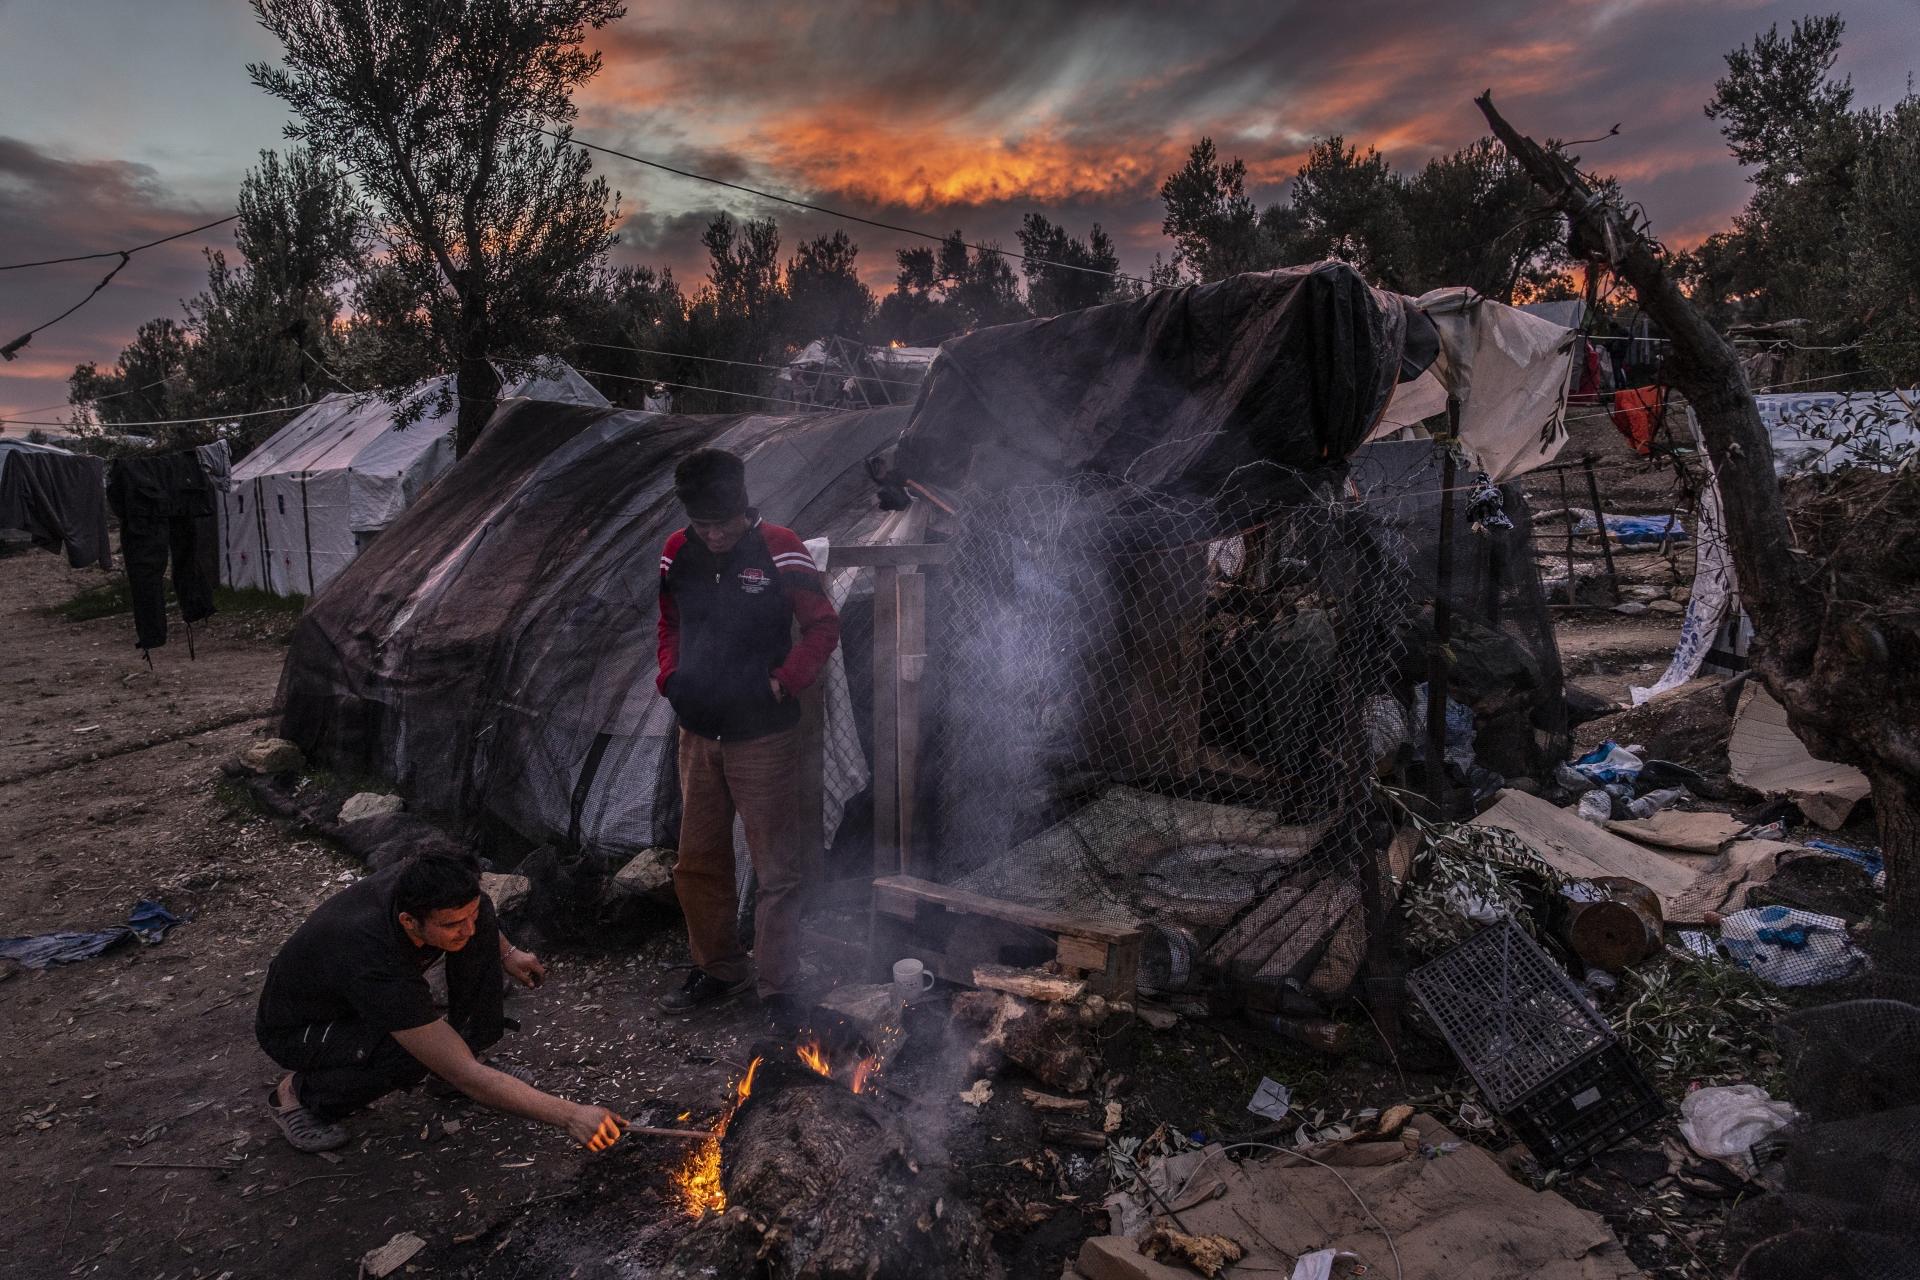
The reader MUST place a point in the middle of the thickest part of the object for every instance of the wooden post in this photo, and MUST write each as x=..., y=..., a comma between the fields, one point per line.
x=1437, y=673
x=911, y=665
x=886, y=720
x=1600, y=518
x=1572, y=598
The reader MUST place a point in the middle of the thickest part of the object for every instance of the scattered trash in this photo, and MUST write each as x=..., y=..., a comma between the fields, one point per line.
x=979, y=1095
x=1318, y=1265
x=1697, y=943
x=1584, y=851
x=1596, y=807
x=1790, y=948
x=1272, y=1099
x=1572, y=781
x=1654, y=801
x=1725, y=1122
x=391, y=1256
x=148, y=921
x=1771, y=831
x=1458, y=750
x=1609, y=762
x=1600, y=981
x=1632, y=531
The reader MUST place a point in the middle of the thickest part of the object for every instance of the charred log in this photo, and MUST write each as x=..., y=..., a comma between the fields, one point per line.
x=823, y=1184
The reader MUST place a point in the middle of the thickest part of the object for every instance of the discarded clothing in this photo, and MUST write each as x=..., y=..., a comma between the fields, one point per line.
x=1485, y=508
x=1636, y=530
x=1638, y=413
x=58, y=499
x=1790, y=948
x=1609, y=762
x=1724, y=1122
x=1869, y=859
x=148, y=921
x=166, y=509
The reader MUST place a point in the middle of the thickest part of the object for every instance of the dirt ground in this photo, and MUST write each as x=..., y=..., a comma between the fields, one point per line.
x=133, y=1137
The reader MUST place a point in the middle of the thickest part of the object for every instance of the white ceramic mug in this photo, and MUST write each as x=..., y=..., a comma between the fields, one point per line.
x=911, y=978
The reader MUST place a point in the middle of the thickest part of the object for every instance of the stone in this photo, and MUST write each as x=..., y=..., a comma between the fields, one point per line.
x=392, y=1255
x=1632, y=608
x=370, y=804
x=648, y=872
x=272, y=757
x=1670, y=607
x=507, y=892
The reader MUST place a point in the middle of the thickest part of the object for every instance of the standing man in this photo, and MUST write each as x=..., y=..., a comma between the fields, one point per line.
x=731, y=588
x=347, y=1011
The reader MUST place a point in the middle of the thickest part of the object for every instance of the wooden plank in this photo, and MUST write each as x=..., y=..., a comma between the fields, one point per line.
x=912, y=590
x=1345, y=951
x=1312, y=925
x=886, y=721
x=1254, y=923
x=893, y=555
x=901, y=895
x=1080, y=953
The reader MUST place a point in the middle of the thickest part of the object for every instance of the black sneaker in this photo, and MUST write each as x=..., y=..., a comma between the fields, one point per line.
x=700, y=990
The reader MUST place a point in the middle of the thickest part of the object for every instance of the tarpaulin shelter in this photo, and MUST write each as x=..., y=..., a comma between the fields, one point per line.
x=57, y=498
x=304, y=503
x=494, y=651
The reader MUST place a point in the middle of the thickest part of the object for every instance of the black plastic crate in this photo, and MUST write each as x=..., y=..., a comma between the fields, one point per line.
x=1588, y=1108
x=1511, y=1015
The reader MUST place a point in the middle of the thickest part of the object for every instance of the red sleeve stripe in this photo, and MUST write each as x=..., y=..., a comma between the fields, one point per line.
x=795, y=560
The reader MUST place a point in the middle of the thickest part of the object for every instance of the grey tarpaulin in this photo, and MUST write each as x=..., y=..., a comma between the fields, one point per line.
x=494, y=650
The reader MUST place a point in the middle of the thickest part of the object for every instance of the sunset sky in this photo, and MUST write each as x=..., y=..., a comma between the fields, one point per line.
x=122, y=120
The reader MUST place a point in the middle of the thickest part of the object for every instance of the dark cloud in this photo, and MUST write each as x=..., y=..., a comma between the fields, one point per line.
x=56, y=206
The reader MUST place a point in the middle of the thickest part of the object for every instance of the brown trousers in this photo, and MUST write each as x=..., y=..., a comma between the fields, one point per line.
x=759, y=780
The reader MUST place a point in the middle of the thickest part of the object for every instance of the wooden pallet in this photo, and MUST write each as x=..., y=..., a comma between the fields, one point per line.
x=953, y=930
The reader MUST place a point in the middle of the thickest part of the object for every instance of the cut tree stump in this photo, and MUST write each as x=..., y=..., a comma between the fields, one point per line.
x=825, y=1184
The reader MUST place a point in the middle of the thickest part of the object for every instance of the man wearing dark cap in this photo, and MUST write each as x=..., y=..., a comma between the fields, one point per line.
x=732, y=587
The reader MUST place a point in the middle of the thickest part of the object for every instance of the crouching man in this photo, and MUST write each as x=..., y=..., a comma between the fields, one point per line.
x=346, y=1007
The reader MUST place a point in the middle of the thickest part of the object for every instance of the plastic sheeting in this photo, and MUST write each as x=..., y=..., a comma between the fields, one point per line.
x=304, y=503
x=1509, y=370
x=495, y=652
x=1173, y=391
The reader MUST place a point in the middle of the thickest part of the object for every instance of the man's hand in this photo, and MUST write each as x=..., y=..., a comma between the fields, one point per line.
x=524, y=967
x=779, y=690
x=595, y=1128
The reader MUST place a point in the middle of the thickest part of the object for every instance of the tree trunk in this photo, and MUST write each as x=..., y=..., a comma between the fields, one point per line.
x=823, y=1184
x=475, y=381
x=1825, y=663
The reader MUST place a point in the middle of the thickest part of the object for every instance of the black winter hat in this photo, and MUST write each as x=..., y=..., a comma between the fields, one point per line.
x=712, y=484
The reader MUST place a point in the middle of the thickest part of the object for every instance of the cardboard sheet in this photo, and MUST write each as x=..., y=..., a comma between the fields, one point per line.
x=1681, y=832
x=1458, y=1214
x=1767, y=757
x=1573, y=846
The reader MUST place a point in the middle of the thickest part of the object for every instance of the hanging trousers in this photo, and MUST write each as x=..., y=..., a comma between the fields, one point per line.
x=166, y=509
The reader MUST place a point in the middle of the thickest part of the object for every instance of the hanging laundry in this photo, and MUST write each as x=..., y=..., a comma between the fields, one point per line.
x=58, y=499
x=1485, y=507
x=1638, y=413
x=166, y=508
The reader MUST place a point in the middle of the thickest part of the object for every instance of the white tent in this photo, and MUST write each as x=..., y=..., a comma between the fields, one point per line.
x=303, y=504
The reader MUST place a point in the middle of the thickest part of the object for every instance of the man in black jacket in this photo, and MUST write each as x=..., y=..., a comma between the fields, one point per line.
x=732, y=586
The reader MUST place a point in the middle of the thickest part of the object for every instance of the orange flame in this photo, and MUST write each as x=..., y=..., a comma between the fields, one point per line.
x=862, y=1071
x=698, y=1180
x=815, y=1058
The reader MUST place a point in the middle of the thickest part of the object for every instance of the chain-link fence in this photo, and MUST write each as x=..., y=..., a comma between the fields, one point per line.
x=1165, y=712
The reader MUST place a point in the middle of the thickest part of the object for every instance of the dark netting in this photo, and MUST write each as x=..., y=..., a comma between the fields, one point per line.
x=1850, y=1207
x=1167, y=711
x=1505, y=667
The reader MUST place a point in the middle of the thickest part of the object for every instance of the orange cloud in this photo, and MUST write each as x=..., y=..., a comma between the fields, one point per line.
x=932, y=167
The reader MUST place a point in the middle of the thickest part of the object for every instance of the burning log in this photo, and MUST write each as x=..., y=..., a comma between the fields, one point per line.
x=821, y=1182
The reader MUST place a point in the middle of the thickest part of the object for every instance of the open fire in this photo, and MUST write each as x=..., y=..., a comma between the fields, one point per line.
x=698, y=1180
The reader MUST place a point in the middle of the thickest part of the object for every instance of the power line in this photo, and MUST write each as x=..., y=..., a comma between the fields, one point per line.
x=836, y=213
x=688, y=386
x=169, y=422
x=111, y=395
x=120, y=253
x=745, y=364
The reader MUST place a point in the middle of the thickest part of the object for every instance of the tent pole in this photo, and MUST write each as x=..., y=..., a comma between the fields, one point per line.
x=1437, y=674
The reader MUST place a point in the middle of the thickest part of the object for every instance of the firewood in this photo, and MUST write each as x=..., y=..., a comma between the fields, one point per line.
x=1030, y=984
x=1064, y=1135
x=1209, y=1255
x=1047, y=1040
x=1052, y=1102
x=824, y=1183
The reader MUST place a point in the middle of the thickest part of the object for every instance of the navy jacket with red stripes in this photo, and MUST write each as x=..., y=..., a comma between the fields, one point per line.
x=726, y=624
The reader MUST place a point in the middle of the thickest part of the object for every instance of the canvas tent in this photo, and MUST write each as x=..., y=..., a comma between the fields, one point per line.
x=304, y=503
